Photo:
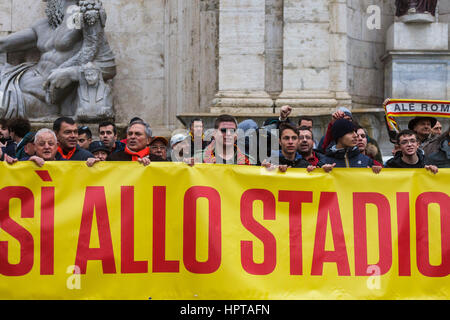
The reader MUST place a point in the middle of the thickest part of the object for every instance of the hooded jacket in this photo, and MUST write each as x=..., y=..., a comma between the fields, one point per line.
x=346, y=158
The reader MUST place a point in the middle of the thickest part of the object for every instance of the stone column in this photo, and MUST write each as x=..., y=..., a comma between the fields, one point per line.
x=308, y=62
x=242, y=58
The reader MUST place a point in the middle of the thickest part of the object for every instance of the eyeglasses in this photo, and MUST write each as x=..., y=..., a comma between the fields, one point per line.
x=158, y=148
x=304, y=138
x=406, y=141
x=227, y=130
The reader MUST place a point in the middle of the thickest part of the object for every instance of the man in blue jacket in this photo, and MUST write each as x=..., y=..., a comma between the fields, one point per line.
x=345, y=154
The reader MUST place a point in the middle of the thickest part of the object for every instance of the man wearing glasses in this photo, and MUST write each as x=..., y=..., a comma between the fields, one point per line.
x=409, y=157
x=158, y=147
x=223, y=148
x=306, y=144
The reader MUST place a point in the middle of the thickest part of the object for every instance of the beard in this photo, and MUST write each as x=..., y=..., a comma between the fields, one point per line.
x=55, y=13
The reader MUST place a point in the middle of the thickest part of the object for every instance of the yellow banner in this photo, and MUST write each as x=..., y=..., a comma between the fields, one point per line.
x=169, y=231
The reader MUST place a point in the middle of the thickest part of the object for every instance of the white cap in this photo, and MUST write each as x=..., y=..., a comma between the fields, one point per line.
x=177, y=138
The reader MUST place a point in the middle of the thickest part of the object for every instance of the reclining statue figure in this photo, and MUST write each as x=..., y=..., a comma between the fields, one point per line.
x=71, y=36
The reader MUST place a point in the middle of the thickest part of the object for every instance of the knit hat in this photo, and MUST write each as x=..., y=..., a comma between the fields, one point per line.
x=98, y=146
x=341, y=127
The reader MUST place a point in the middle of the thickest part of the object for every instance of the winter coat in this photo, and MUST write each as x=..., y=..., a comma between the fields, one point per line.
x=346, y=158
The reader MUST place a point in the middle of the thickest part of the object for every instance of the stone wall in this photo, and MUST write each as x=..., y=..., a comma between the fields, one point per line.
x=365, y=49
x=166, y=54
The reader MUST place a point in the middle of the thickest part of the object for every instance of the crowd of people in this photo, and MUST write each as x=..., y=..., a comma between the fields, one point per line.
x=279, y=144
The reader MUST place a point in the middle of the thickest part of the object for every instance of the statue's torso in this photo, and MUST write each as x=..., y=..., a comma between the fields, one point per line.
x=56, y=46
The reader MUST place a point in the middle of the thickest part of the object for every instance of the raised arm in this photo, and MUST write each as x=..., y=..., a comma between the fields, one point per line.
x=21, y=40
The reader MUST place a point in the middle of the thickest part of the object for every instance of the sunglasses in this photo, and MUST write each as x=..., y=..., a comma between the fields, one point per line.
x=227, y=130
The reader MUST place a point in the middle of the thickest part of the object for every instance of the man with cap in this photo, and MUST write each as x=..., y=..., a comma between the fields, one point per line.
x=27, y=149
x=66, y=131
x=84, y=137
x=345, y=153
x=100, y=152
x=422, y=127
x=180, y=150
x=327, y=140
x=158, y=146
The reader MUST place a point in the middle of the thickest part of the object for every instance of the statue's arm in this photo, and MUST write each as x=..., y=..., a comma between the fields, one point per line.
x=21, y=40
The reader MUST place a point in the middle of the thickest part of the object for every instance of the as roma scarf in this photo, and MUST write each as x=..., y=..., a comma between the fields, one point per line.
x=67, y=156
x=136, y=155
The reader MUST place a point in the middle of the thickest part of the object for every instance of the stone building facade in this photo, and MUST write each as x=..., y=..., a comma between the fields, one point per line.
x=177, y=59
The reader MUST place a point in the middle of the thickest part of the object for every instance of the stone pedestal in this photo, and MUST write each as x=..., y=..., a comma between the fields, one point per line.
x=417, y=62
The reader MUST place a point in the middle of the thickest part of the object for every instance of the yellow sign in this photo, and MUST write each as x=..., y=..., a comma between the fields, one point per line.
x=169, y=231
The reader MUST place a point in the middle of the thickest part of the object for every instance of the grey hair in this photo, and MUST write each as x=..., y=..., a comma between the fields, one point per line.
x=148, y=130
x=42, y=131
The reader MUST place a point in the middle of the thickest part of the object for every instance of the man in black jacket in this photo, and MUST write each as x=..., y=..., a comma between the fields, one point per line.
x=288, y=156
x=66, y=131
x=409, y=157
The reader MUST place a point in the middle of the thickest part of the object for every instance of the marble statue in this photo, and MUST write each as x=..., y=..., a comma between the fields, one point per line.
x=405, y=7
x=95, y=98
x=71, y=36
